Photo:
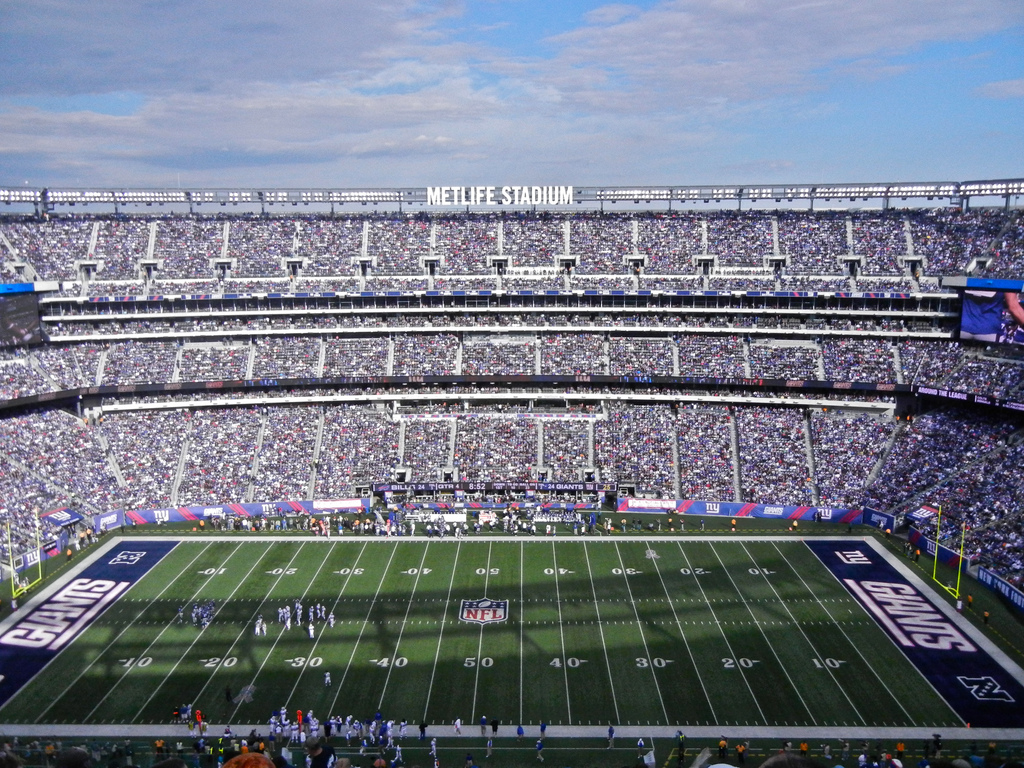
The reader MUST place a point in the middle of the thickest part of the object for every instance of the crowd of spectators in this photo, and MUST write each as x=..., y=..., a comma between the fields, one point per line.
x=640, y=356
x=881, y=238
x=669, y=243
x=329, y=247
x=284, y=459
x=949, y=239
x=813, y=242
x=260, y=247
x=53, y=247
x=930, y=449
x=533, y=240
x=358, y=445
x=740, y=239
x=398, y=246
x=287, y=356
x=214, y=362
x=19, y=379
x=187, y=248
x=773, y=455
x=707, y=355
x=121, y=244
x=635, y=444
x=355, y=356
x=427, y=447
x=571, y=354
x=147, y=448
x=495, y=448
x=463, y=245
x=499, y=355
x=706, y=465
x=845, y=450
x=858, y=360
x=137, y=362
x=790, y=361
x=219, y=458
x=426, y=355
x=566, y=448
x=601, y=245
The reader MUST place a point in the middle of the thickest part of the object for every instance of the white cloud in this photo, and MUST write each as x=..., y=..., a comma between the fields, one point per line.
x=1003, y=89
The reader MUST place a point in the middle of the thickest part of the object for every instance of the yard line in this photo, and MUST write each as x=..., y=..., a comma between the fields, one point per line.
x=154, y=641
x=440, y=634
x=480, y=642
x=771, y=647
x=405, y=621
x=853, y=645
x=640, y=627
x=362, y=629
x=111, y=644
x=796, y=623
x=309, y=584
x=224, y=602
x=600, y=628
x=561, y=633
x=246, y=628
x=725, y=637
x=682, y=634
x=522, y=575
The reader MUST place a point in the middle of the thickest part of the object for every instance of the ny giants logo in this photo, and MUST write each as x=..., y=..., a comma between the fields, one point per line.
x=484, y=611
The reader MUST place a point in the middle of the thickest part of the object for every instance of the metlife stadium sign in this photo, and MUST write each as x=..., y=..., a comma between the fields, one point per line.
x=509, y=195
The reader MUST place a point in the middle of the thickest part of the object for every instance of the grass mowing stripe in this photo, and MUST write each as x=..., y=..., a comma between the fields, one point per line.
x=309, y=585
x=842, y=634
x=643, y=636
x=600, y=629
x=355, y=647
x=771, y=646
x=110, y=645
x=440, y=634
x=682, y=634
x=153, y=642
x=522, y=655
x=405, y=622
x=255, y=563
x=561, y=634
x=265, y=598
x=480, y=641
x=796, y=623
x=725, y=637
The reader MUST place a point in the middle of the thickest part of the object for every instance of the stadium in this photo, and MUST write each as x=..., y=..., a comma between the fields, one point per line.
x=563, y=457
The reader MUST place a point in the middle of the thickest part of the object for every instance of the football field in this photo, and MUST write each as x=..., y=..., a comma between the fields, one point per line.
x=660, y=631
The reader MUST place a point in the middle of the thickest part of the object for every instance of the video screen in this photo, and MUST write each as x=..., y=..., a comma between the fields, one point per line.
x=991, y=316
x=19, y=319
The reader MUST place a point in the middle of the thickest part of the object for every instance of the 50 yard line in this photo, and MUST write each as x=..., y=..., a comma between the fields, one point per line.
x=480, y=642
x=440, y=634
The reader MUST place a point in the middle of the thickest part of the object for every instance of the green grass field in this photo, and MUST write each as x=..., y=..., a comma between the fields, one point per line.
x=662, y=632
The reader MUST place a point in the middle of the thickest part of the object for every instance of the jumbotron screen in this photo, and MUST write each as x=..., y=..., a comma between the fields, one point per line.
x=19, y=319
x=991, y=316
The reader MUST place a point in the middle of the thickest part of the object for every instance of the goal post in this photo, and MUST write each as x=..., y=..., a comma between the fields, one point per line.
x=24, y=581
x=953, y=589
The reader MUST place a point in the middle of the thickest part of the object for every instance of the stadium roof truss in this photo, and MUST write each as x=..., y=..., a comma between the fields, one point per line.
x=955, y=191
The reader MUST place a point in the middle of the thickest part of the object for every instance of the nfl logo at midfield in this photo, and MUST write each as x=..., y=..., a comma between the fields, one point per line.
x=484, y=611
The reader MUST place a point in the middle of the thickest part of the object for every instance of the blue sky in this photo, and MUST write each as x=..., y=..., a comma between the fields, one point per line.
x=336, y=93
